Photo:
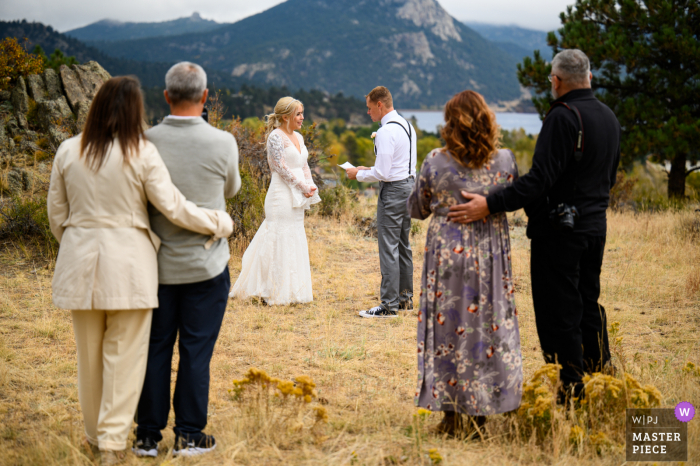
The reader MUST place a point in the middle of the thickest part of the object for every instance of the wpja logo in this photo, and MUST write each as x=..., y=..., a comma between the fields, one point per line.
x=658, y=434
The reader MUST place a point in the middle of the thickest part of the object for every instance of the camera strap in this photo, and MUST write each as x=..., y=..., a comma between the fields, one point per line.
x=578, y=148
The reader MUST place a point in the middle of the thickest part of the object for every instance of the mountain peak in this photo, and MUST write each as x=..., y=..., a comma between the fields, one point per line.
x=429, y=14
x=196, y=17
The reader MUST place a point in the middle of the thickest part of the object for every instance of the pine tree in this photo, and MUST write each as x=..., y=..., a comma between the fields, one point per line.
x=645, y=58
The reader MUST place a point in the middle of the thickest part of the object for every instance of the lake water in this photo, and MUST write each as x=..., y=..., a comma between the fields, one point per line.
x=430, y=120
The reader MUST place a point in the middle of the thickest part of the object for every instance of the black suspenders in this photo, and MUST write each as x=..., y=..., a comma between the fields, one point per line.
x=409, y=133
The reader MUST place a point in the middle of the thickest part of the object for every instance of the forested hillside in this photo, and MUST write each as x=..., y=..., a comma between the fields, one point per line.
x=150, y=73
x=517, y=41
x=414, y=47
x=109, y=29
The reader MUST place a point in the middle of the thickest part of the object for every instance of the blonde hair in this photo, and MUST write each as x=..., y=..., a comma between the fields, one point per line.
x=286, y=106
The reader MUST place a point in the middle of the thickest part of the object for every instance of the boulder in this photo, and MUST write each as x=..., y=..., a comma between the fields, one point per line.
x=56, y=136
x=29, y=147
x=13, y=127
x=20, y=99
x=3, y=135
x=92, y=76
x=18, y=180
x=53, y=84
x=36, y=88
x=81, y=114
x=55, y=118
x=21, y=121
x=72, y=87
x=5, y=96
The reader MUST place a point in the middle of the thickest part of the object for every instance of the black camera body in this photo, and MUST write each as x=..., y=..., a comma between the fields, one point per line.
x=563, y=217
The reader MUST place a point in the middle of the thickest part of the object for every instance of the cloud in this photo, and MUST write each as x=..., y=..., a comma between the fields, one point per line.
x=535, y=14
x=70, y=14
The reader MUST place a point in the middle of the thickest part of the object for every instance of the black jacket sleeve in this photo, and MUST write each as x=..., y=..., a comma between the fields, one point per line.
x=616, y=163
x=553, y=151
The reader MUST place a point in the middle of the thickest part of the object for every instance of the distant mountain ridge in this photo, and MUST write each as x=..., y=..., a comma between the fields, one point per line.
x=517, y=41
x=150, y=73
x=111, y=30
x=414, y=47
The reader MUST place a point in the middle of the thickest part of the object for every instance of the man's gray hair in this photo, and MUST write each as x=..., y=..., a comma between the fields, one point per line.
x=185, y=82
x=572, y=65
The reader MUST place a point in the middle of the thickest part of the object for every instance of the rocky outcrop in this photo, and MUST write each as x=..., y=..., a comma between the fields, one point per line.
x=55, y=117
x=53, y=84
x=92, y=76
x=41, y=112
x=20, y=99
x=36, y=88
x=71, y=85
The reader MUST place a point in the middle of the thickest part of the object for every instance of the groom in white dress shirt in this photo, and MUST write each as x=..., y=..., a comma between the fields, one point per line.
x=395, y=170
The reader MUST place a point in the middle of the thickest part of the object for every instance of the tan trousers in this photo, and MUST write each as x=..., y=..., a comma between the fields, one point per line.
x=112, y=354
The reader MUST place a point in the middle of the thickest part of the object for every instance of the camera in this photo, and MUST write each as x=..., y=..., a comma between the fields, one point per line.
x=205, y=114
x=563, y=217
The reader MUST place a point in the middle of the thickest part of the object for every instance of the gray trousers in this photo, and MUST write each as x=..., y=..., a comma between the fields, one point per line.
x=395, y=256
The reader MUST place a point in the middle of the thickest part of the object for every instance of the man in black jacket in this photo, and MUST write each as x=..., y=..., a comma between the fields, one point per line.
x=565, y=265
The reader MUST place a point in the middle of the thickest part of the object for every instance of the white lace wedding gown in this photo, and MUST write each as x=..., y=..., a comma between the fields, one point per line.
x=276, y=264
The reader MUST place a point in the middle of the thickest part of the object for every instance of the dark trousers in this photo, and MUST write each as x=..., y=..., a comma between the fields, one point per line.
x=572, y=326
x=393, y=237
x=195, y=311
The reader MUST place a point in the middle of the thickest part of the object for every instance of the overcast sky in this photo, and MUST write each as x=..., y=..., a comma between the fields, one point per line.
x=64, y=15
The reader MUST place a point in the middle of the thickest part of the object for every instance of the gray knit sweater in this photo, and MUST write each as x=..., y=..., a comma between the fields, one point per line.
x=203, y=164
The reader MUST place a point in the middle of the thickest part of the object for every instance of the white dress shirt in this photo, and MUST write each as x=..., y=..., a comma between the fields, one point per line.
x=391, y=146
x=178, y=117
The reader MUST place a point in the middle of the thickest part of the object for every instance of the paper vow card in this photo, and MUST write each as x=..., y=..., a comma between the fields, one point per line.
x=346, y=165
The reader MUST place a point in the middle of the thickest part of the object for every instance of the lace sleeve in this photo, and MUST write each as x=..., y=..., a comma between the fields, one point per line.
x=275, y=157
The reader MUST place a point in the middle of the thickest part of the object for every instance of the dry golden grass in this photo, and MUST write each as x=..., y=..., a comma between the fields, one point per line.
x=364, y=370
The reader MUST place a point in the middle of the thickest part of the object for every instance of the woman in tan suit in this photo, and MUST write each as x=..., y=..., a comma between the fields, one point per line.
x=106, y=271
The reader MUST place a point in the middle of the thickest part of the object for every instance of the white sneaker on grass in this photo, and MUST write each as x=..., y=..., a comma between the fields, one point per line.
x=184, y=447
x=145, y=447
x=378, y=312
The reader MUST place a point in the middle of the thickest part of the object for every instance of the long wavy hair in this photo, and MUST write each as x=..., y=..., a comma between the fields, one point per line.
x=116, y=112
x=286, y=107
x=471, y=133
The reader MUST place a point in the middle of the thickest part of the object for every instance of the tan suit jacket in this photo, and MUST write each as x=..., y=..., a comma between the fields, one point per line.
x=107, y=255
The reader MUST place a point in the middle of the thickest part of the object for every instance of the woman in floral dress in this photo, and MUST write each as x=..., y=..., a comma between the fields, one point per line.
x=469, y=360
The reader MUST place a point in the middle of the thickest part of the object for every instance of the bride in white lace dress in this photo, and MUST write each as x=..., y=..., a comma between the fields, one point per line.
x=276, y=264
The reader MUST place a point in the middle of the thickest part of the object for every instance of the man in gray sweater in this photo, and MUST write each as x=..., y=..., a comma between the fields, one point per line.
x=193, y=274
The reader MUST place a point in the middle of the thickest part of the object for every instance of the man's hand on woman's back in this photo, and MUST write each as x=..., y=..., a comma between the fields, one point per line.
x=474, y=209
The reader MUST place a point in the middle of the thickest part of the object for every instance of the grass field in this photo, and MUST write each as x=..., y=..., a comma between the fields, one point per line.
x=364, y=370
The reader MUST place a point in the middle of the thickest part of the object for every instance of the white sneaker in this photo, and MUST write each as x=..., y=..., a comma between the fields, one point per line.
x=378, y=313
x=145, y=447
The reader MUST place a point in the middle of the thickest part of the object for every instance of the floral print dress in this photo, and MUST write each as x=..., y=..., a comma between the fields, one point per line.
x=469, y=358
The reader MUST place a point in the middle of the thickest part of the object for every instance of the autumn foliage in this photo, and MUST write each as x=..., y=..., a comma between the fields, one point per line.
x=15, y=61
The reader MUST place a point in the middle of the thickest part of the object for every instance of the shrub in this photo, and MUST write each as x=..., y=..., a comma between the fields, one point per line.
x=56, y=59
x=597, y=418
x=271, y=407
x=621, y=193
x=335, y=200
x=26, y=221
x=538, y=404
x=16, y=62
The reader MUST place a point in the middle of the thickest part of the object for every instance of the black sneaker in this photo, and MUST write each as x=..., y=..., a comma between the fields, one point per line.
x=187, y=447
x=145, y=447
x=406, y=305
x=378, y=312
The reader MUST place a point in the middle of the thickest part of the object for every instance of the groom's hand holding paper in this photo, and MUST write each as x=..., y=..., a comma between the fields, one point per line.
x=351, y=170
